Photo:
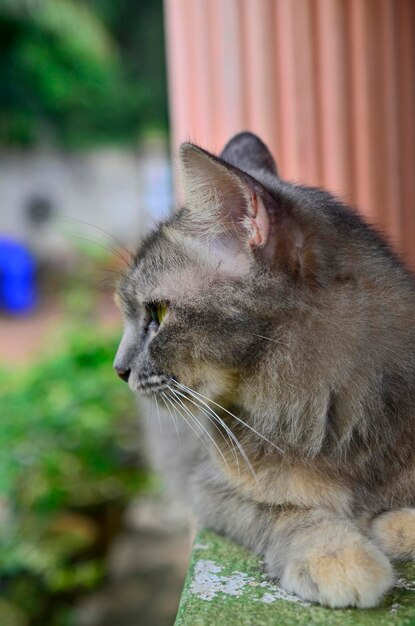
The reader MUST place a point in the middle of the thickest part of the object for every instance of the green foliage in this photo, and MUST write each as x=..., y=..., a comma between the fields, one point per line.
x=68, y=79
x=68, y=465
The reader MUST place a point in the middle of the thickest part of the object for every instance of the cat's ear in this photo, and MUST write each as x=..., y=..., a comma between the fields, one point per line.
x=225, y=202
x=247, y=152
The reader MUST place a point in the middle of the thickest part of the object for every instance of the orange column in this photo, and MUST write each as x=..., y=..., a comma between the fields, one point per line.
x=329, y=85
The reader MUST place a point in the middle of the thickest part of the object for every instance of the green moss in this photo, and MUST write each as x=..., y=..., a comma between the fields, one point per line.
x=227, y=585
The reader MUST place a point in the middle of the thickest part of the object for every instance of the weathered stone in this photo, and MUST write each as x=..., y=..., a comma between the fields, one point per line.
x=226, y=585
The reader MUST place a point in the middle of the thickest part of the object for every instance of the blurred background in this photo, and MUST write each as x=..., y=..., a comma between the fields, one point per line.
x=86, y=536
x=94, y=97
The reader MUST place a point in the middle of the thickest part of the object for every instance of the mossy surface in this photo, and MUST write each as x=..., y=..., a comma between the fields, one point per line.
x=226, y=585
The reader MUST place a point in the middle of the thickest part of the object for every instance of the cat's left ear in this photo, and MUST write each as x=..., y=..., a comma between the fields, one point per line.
x=225, y=201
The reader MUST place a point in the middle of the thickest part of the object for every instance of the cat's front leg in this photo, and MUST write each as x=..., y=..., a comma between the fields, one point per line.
x=324, y=558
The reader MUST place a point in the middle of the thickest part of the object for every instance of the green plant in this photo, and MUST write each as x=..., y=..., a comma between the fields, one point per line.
x=66, y=79
x=69, y=464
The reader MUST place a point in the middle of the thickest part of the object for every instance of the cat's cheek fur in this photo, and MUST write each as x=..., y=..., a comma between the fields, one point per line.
x=394, y=533
x=209, y=381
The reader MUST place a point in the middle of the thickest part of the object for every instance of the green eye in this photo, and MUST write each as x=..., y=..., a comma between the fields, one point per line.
x=158, y=311
x=161, y=311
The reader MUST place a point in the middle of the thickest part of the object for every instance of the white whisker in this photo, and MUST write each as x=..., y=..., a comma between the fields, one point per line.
x=213, y=415
x=278, y=341
x=238, y=419
x=192, y=416
x=158, y=413
x=228, y=430
x=198, y=434
x=173, y=417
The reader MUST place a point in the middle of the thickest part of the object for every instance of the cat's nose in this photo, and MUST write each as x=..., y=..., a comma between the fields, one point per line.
x=125, y=353
x=122, y=373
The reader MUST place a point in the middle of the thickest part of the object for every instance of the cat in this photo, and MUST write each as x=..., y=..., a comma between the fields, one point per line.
x=271, y=316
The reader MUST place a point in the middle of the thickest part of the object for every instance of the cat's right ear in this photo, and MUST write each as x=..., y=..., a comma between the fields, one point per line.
x=226, y=203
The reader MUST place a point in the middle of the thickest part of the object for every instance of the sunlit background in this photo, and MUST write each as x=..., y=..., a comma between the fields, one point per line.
x=87, y=535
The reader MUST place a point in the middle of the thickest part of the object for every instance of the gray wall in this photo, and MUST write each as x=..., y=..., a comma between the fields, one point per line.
x=118, y=191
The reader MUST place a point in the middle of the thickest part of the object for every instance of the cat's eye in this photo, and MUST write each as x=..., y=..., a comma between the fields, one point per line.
x=157, y=311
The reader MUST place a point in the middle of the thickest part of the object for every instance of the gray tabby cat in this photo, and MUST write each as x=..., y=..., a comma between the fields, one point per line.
x=271, y=316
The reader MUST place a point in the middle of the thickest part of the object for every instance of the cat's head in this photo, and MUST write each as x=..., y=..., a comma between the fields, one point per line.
x=209, y=287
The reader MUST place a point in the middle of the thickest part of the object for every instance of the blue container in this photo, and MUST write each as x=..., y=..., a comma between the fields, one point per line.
x=18, y=292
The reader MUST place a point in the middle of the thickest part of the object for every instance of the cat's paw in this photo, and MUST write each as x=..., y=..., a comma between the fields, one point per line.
x=355, y=575
x=394, y=533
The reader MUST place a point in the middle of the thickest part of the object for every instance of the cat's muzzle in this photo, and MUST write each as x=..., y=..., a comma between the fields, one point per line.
x=152, y=383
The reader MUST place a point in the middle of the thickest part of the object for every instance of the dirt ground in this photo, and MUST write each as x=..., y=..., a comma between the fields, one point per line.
x=24, y=338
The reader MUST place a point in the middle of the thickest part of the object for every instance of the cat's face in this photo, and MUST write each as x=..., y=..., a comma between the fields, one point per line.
x=191, y=313
x=201, y=290
x=213, y=282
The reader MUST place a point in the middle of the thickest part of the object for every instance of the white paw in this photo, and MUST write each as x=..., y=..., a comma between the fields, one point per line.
x=355, y=575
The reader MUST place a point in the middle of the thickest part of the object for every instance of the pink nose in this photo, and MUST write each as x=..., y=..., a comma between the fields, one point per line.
x=123, y=374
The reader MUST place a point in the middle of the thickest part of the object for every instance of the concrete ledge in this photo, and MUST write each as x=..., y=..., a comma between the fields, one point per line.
x=226, y=585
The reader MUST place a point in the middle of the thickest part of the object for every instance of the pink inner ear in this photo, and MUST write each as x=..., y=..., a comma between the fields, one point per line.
x=259, y=222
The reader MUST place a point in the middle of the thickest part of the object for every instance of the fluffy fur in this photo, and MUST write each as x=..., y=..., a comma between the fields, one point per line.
x=286, y=365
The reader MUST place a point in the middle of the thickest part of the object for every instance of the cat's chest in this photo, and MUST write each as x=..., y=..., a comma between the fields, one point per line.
x=270, y=479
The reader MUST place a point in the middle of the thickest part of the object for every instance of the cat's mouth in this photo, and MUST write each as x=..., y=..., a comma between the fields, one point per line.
x=151, y=384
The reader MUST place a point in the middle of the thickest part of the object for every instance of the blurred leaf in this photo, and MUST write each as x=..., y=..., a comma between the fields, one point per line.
x=66, y=462
x=67, y=78
x=11, y=615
